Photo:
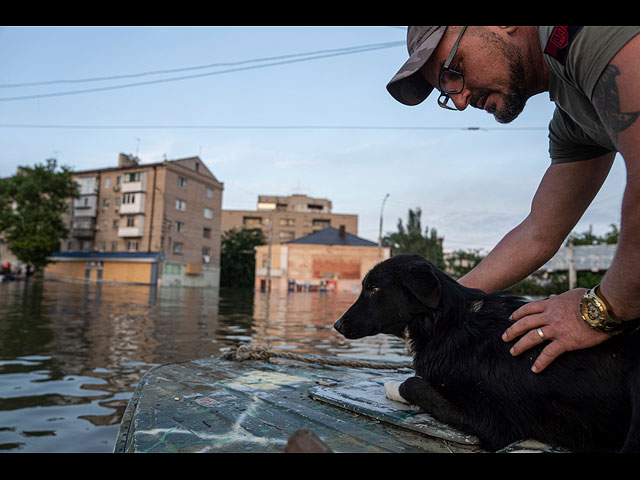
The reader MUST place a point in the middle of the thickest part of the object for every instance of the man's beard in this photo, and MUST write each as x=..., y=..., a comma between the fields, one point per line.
x=514, y=100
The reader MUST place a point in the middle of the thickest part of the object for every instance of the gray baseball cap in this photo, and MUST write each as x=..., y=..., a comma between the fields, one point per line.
x=408, y=86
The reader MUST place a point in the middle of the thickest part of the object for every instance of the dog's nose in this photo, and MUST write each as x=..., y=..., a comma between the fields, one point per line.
x=338, y=325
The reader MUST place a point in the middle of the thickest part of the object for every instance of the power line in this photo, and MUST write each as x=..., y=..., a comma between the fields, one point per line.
x=262, y=127
x=344, y=50
x=304, y=58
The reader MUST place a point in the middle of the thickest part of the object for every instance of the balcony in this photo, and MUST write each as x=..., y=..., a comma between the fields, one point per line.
x=132, y=203
x=130, y=231
x=131, y=226
x=84, y=228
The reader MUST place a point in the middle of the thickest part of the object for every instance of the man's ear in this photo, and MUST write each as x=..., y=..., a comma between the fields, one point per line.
x=509, y=30
x=422, y=282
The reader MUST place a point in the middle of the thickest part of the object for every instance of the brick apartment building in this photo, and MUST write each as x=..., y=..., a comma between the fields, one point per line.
x=290, y=217
x=126, y=214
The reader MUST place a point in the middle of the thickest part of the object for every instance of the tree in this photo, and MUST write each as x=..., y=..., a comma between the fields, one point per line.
x=412, y=240
x=589, y=238
x=237, y=258
x=460, y=262
x=31, y=206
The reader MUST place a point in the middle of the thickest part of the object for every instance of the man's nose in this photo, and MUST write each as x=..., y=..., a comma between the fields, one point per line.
x=461, y=100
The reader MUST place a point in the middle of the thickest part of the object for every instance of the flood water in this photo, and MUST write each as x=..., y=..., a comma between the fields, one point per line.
x=72, y=354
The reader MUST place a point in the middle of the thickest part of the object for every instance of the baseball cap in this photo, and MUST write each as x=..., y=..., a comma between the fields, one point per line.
x=408, y=86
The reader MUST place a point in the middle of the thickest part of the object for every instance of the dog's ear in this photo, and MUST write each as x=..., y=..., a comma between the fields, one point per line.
x=423, y=283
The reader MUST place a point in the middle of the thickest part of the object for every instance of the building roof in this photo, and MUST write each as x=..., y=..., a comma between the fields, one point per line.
x=585, y=257
x=332, y=236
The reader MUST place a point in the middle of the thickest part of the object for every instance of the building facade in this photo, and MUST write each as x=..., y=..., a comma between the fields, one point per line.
x=285, y=218
x=173, y=208
x=329, y=260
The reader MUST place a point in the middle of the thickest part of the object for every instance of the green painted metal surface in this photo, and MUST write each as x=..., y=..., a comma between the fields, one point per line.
x=215, y=405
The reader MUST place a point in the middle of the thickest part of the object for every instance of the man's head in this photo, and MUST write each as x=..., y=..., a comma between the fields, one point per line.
x=492, y=63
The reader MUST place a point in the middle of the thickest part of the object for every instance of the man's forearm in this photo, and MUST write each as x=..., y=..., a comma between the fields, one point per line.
x=518, y=255
x=621, y=284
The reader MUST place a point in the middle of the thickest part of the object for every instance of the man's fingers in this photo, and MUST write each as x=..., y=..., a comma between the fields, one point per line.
x=533, y=337
x=528, y=309
x=548, y=355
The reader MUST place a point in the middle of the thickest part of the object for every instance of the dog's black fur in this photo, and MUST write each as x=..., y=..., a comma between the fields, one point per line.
x=585, y=401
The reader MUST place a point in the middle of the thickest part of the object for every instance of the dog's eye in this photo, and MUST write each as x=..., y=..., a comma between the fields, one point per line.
x=373, y=290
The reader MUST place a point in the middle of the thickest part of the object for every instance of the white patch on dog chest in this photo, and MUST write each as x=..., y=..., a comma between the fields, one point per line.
x=476, y=306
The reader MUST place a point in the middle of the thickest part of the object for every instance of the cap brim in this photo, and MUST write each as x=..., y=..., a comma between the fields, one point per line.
x=408, y=86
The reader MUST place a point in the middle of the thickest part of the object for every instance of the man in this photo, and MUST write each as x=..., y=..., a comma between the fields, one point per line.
x=592, y=74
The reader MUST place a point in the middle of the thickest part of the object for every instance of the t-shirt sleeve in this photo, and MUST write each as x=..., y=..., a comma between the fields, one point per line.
x=568, y=142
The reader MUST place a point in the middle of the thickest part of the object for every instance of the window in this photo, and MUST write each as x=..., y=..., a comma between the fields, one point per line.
x=104, y=226
x=287, y=222
x=132, y=245
x=131, y=221
x=321, y=224
x=182, y=182
x=286, y=236
x=103, y=245
x=107, y=182
x=105, y=203
x=206, y=233
x=132, y=177
x=179, y=226
x=209, y=192
x=128, y=198
x=116, y=224
x=252, y=221
x=206, y=251
x=181, y=205
x=208, y=213
x=177, y=248
x=114, y=246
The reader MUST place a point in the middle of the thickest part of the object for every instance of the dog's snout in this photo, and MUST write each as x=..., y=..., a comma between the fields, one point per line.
x=339, y=324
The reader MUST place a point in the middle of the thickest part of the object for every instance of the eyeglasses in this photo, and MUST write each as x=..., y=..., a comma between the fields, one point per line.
x=450, y=81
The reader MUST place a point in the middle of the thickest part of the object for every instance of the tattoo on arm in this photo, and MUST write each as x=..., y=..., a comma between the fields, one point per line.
x=607, y=102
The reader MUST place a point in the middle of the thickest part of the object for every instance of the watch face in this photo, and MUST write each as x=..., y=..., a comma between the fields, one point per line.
x=592, y=311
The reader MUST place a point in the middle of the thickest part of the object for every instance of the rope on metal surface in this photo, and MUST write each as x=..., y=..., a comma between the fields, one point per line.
x=243, y=352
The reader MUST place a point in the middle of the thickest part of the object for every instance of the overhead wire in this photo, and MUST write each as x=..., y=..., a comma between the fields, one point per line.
x=263, y=127
x=279, y=60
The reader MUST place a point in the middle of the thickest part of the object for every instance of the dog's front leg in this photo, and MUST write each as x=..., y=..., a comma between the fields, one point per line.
x=417, y=391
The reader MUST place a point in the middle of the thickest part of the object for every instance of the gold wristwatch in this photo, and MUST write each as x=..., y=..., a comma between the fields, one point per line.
x=598, y=313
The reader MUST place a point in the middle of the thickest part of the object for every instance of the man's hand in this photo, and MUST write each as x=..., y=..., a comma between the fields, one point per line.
x=559, y=320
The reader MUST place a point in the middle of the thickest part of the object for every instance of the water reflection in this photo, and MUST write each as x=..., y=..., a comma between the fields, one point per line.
x=71, y=354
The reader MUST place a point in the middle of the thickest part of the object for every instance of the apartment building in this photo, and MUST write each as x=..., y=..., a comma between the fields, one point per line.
x=289, y=217
x=172, y=208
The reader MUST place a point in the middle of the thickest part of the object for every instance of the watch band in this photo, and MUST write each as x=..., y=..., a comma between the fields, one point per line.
x=610, y=324
x=598, y=293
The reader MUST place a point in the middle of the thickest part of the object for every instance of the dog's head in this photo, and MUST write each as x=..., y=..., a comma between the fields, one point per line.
x=393, y=292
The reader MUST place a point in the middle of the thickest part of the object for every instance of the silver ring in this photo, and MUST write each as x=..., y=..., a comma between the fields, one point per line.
x=539, y=330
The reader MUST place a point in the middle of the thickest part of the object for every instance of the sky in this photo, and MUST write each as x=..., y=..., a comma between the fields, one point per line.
x=278, y=111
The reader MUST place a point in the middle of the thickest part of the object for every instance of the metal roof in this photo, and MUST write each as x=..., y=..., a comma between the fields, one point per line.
x=331, y=236
x=585, y=257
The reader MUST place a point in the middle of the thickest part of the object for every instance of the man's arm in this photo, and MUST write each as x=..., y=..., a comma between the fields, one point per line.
x=617, y=101
x=564, y=193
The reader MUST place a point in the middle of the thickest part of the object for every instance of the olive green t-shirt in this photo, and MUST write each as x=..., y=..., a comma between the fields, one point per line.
x=576, y=57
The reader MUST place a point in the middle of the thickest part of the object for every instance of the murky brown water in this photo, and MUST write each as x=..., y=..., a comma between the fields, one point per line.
x=71, y=354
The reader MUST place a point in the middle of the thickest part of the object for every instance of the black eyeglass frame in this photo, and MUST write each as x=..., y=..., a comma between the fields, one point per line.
x=445, y=69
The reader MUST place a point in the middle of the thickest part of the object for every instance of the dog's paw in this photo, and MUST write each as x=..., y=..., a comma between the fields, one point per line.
x=392, y=389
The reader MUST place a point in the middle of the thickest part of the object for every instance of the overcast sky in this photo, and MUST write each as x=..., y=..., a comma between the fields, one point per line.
x=277, y=111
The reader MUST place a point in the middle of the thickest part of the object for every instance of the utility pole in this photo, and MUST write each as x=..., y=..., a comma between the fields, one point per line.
x=380, y=231
x=268, y=275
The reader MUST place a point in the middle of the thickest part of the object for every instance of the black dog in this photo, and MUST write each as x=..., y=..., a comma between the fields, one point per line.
x=585, y=401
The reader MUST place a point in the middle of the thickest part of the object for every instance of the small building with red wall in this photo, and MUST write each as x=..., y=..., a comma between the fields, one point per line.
x=327, y=260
